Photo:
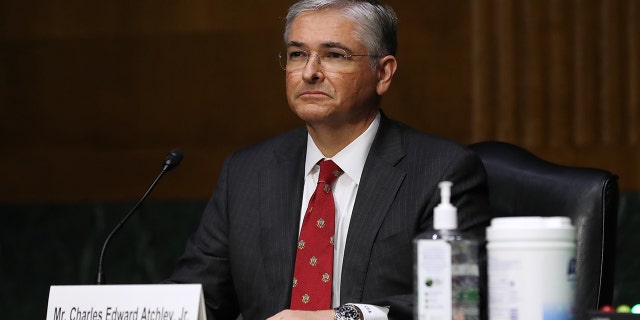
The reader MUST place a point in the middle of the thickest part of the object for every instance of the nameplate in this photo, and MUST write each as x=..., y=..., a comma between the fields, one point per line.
x=127, y=302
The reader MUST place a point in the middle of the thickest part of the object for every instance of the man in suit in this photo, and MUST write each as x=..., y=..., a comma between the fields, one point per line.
x=339, y=62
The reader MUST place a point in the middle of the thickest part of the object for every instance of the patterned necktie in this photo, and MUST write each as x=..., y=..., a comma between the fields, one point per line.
x=312, y=277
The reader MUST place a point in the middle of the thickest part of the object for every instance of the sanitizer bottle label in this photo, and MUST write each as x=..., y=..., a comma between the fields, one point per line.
x=434, y=280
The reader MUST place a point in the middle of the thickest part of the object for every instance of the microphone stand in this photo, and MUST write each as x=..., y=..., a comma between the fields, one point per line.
x=171, y=161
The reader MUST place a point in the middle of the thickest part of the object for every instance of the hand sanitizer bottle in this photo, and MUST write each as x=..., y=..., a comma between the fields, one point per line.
x=447, y=276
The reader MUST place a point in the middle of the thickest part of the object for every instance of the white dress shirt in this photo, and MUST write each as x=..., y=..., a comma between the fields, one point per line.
x=351, y=160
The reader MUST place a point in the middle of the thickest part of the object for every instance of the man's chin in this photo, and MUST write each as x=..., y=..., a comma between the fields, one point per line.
x=312, y=112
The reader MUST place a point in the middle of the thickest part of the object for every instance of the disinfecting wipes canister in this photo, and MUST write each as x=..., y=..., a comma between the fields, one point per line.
x=531, y=268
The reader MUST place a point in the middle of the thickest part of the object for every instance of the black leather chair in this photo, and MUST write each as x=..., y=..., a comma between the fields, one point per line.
x=521, y=184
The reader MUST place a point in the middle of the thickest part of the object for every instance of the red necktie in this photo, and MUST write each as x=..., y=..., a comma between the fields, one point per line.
x=313, y=274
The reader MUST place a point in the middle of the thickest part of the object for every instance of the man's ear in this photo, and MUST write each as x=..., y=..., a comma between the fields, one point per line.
x=386, y=68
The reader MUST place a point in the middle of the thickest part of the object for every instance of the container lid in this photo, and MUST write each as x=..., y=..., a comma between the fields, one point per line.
x=531, y=229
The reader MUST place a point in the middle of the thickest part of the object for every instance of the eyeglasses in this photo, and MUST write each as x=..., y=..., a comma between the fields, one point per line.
x=329, y=59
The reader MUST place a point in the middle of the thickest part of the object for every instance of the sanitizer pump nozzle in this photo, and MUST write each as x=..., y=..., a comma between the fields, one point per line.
x=445, y=215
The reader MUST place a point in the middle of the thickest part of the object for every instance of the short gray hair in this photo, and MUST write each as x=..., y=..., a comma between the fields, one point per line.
x=376, y=24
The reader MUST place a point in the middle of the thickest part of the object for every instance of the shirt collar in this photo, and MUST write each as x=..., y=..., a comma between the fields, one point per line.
x=351, y=159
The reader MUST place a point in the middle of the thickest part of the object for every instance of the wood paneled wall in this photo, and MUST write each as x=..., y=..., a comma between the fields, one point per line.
x=561, y=78
x=94, y=94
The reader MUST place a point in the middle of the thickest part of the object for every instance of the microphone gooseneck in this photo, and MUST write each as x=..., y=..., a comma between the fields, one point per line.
x=171, y=161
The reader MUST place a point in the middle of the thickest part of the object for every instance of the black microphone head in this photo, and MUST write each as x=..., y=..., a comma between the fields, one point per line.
x=172, y=160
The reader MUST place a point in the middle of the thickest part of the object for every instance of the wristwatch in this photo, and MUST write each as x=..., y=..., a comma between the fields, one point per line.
x=347, y=312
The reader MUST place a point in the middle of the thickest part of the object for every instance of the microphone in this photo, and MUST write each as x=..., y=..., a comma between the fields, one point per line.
x=171, y=161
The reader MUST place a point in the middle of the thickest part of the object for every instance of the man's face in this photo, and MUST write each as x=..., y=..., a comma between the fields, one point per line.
x=320, y=96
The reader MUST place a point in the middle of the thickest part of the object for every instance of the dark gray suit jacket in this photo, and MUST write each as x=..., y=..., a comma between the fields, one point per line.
x=244, y=249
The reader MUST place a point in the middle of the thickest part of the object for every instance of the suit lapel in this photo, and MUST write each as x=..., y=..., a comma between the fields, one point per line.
x=280, y=215
x=378, y=188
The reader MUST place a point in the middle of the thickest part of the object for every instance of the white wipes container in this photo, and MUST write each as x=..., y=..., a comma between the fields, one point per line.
x=531, y=268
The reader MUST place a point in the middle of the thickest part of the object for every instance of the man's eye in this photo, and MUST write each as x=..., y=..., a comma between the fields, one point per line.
x=297, y=55
x=335, y=55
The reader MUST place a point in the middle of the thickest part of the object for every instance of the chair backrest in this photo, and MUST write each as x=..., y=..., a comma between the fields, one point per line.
x=521, y=184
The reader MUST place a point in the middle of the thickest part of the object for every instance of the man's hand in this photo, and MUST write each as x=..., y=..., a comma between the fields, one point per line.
x=304, y=315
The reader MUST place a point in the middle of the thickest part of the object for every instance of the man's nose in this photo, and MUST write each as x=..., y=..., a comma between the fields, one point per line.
x=313, y=69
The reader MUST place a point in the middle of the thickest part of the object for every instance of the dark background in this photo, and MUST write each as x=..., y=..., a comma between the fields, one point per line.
x=93, y=94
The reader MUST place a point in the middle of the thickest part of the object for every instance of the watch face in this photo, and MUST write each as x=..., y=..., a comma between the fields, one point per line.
x=347, y=312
